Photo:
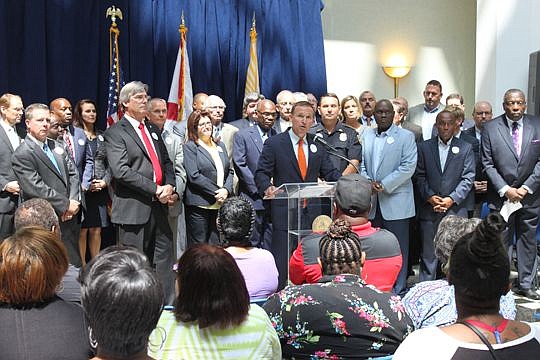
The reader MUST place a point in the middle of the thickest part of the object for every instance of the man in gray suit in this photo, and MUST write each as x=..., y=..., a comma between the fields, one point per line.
x=389, y=160
x=424, y=114
x=444, y=178
x=50, y=175
x=11, y=111
x=510, y=155
x=143, y=183
x=157, y=115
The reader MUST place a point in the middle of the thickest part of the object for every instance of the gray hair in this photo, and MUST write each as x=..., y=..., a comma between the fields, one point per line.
x=29, y=111
x=130, y=89
x=252, y=97
x=450, y=230
x=36, y=212
x=152, y=101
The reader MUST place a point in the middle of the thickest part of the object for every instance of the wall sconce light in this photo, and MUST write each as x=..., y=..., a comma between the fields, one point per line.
x=396, y=73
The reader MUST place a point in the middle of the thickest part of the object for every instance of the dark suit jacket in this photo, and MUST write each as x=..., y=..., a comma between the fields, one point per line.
x=477, y=163
x=83, y=157
x=8, y=201
x=455, y=180
x=415, y=129
x=278, y=165
x=39, y=178
x=247, y=147
x=504, y=167
x=202, y=174
x=132, y=171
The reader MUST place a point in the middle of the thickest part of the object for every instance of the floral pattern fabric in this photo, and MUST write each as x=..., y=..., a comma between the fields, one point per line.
x=340, y=317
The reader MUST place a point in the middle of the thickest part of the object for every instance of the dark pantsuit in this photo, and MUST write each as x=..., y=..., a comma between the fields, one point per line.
x=6, y=225
x=201, y=226
x=154, y=239
x=400, y=228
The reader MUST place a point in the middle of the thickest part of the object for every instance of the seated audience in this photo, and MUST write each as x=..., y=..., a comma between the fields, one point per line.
x=122, y=299
x=383, y=255
x=39, y=212
x=479, y=270
x=212, y=318
x=340, y=316
x=235, y=223
x=433, y=303
x=36, y=323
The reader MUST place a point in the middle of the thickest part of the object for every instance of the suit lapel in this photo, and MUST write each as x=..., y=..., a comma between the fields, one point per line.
x=435, y=151
x=40, y=154
x=527, y=135
x=450, y=156
x=126, y=125
x=255, y=137
x=504, y=132
x=287, y=144
x=4, y=137
x=59, y=160
x=390, y=134
x=206, y=154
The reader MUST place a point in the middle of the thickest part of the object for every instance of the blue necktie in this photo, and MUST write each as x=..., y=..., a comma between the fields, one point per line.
x=50, y=155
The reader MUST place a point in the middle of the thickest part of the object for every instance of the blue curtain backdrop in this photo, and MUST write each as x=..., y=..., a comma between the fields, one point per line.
x=60, y=48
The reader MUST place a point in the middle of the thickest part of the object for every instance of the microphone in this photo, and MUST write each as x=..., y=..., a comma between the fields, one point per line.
x=333, y=151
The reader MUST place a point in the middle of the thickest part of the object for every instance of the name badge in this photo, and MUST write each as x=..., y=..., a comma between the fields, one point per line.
x=343, y=137
x=59, y=150
x=455, y=149
x=101, y=138
x=154, y=136
x=313, y=148
x=390, y=140
x=168, y=141
x=81, y=142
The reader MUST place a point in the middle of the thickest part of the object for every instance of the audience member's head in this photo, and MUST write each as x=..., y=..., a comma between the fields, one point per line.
x=157, y=112
x=446, y=125
x=399, y=112
x=122, y=300
x=459, y=114
x=479, y=268
x=211, y=288
x=36, y=212
x=62, y=109
x=249, y=106
x=11, y=108
x=193, y=123
x=384, y=115
x=367, y=102
x=38, y=121
x=32, y=264
x=300, y=96
x=432, y=94
x=352, y=196
x=450, y=230
x=514, y=104
x=341, y=250
x=455, y=99
x=84, y=113
x=329, y=108
x=350, y=108
x=199, y=101
x=284, y=103
x=56, y=130
x=216, y=109
x=405, y=104
x=302, y=118
x=235, y=222
x=133, y=97
x=266, y=114
x=312, y=100
x=482, y=112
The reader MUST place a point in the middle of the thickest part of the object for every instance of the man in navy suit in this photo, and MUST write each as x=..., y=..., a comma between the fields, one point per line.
x=444, y=178
x=510, y=155
x=248, y=144
x=291, y=157
x=73, y=138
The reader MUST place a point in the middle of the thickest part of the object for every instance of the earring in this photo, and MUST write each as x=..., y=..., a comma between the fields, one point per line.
x=93, y=342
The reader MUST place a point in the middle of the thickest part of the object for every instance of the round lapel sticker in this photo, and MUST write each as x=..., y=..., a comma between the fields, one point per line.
x=59, y=150
x=455, y=150
x=168, y=141
x=154, y=136
x=101, y=138
x=343, y=137
x=313, y=148
x=390, y=140
x=81, y=142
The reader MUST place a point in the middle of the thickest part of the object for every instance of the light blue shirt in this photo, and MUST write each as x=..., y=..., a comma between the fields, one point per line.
x=378, y=145
x=295, y=139
x=443, y=151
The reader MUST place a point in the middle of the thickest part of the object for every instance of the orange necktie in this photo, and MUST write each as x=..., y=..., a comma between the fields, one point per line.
x=302, y=159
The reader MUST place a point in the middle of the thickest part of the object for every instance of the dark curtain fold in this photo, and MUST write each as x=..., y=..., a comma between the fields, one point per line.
x=53, y=48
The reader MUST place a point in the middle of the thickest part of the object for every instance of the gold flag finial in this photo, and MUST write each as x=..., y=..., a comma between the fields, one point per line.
x=253, y=22
x=114, y=13
x=182, y=27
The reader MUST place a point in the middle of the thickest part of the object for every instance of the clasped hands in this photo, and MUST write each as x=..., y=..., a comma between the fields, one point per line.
x=166, y=195
x=515, y=195
x=72, y=210
x=440, y=204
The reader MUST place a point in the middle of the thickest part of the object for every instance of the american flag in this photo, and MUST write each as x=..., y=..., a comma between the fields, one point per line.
x=116, y=79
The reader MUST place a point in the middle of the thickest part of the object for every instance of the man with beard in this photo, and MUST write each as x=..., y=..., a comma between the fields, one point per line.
x=425, y=114
x=367, y=103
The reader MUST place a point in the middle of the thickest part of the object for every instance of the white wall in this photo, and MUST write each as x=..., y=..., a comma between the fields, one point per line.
x=436, y=37
x=507, y=32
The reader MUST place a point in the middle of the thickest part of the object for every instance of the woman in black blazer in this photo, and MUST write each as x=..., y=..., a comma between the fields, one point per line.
x=209, y=179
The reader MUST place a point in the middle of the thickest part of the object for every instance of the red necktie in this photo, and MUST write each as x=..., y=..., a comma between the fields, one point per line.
x=153, y=157
x=302, y=159
x=67, y=140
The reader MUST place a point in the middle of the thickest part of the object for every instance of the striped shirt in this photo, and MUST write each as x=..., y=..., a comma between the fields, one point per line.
x=255, y=338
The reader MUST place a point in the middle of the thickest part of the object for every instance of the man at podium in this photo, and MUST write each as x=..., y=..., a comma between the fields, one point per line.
x=291, y=157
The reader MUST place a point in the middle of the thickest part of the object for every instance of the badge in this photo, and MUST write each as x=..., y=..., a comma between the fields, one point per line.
x=342, y=137
x=154, y=136
x=59, y=150
x=168, y=141
x=321, y=223
x=81, y=142
x=101, y=138
x=390, y=140
x=455, y=149
x=219, y=149
x=313, y=148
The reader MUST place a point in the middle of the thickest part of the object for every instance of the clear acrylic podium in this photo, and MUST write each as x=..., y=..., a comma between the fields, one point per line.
x=305, y=202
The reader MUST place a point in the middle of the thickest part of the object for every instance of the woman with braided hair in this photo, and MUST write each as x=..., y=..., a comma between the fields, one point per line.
x=235, y=222
x=479, y=270
x=339, y=316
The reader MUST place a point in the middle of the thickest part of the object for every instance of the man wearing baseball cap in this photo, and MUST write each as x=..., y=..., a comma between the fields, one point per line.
x=352, y=202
